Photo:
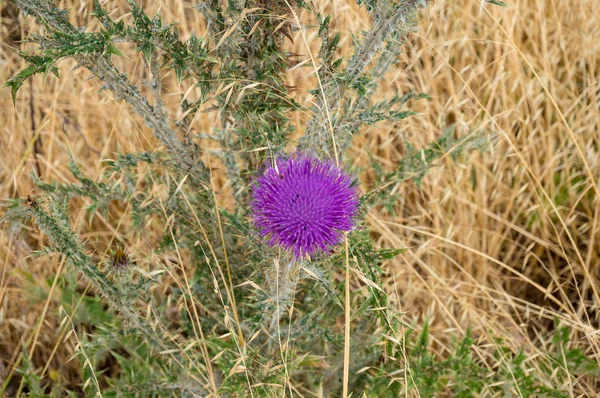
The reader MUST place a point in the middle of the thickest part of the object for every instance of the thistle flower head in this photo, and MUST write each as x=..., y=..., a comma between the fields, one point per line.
x=120, y=260
x=303, y=204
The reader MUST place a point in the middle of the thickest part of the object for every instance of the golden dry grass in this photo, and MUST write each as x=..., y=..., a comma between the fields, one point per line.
x=502, y=241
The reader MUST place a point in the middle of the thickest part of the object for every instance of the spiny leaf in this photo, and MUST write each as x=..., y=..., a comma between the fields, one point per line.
x=43, y=65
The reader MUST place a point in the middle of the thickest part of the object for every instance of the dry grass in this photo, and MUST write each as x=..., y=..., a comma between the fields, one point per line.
x=502, y=241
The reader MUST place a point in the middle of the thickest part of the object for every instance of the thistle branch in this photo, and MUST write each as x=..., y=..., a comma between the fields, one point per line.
x=185, y=153
x=317, y=138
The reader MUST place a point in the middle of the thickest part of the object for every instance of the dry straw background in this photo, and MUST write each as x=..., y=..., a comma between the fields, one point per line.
x=502, y=240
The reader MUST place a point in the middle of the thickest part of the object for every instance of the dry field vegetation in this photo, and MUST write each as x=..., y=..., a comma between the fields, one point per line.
x=503, y=240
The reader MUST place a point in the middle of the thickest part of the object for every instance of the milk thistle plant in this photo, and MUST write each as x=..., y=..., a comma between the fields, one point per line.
x=209, y=310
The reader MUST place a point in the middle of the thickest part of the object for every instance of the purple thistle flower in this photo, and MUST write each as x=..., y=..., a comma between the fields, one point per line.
x=303, y=204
